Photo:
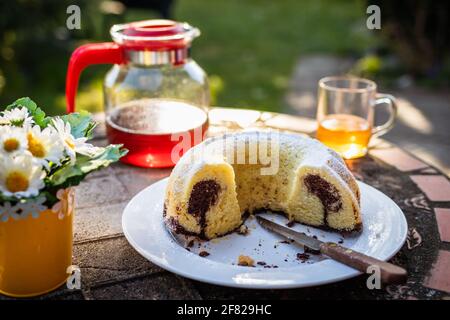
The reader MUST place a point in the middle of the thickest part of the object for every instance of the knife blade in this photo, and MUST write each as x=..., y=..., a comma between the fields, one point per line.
x=389, y=273
x=290, y=234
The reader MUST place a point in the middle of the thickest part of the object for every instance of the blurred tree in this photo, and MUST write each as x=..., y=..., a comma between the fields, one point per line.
x=35, y=44
x=419, y=32
x=163, y=7
x=34, y=41
x=238, y=48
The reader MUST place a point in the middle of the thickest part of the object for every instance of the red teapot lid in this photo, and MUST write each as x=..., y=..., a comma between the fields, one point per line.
x=158, y=35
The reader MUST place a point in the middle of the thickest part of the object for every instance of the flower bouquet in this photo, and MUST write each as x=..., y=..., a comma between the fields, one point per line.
x=41, y=159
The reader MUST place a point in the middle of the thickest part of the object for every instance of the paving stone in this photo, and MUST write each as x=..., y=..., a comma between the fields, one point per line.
x=422, y=125
x=437, y=188
x=301, y=97
x=443, y=221
x=91, y=223
x=156, y=287
x=110, y=170
x=139, y=178
x=100, y=142
x=398, y=158
x=113, y=170
x=439, y=277
x=99, y=191
x=110, y=260
x=120, y=167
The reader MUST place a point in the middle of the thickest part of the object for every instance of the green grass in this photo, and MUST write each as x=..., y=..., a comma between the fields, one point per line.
x=249, y=49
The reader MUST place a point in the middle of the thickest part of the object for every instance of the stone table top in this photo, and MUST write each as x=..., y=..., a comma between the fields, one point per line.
x=112, y=269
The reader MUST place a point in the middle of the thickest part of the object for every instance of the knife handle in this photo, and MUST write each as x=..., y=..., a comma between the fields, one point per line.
x=389, y=272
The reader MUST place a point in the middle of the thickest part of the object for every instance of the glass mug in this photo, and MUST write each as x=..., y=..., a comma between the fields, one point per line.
x=345, y=114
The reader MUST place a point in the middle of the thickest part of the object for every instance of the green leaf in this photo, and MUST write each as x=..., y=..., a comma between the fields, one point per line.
x=81, y=124
x=4, y=198
x=38, y=115
x=72, y=175
x=50, y=197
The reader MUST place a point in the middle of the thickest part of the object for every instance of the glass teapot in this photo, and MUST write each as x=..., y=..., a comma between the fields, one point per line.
x=155, y=95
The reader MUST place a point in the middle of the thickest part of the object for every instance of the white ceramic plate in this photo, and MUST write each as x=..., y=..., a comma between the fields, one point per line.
x=384, y=233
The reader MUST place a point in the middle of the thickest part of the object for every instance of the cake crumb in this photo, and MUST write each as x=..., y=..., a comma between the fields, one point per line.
x=290, y=224
x=246, y=261
x=203, y=253
x=243, y=230
x=302, y=257
x=261, y=263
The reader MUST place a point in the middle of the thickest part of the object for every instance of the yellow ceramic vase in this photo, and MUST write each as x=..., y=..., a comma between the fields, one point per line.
x=35, y=245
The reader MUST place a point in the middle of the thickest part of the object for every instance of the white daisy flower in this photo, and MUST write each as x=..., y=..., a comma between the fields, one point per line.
x=45, y=145
x=72, y=145
x=13, y=140
x=19, y=117
x=21, y=176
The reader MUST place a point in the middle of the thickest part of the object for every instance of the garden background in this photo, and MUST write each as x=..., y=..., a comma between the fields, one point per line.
x=259, y=54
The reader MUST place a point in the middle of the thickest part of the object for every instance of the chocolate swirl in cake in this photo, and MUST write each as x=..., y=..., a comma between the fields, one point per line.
x=326, y=192
x=204, y=195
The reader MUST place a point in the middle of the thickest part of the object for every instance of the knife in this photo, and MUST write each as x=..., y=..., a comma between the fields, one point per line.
x=389, y=272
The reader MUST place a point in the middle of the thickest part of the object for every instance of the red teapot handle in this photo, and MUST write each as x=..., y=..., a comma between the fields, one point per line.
x=95, y=53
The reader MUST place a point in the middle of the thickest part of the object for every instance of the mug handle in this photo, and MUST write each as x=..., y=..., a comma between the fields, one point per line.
x=88, y=54
x=382, y=98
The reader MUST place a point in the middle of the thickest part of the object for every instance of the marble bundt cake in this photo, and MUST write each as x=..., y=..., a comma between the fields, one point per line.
x=216, y=183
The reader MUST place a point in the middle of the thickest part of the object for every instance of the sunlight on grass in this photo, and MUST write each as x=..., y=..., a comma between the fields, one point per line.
x=216, y=86
x=89, y=98
x=254, y=45
x=248, y=48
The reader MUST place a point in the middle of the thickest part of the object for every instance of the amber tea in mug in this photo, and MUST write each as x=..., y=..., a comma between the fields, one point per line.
x=345, y=114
